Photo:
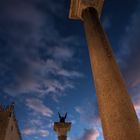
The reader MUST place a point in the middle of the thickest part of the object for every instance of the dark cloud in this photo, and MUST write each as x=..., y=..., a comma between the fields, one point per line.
x=106, y=23
x=129, y=57
x=33, y=52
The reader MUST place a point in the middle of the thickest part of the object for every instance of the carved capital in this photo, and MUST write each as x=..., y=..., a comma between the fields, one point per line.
x=62, y=128
x=77, y=6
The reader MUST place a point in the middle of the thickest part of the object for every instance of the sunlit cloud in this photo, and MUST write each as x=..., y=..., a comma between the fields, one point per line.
x=38, y=106
x=35, y=131
x=29, y=131
x=137, y=108
x=89, y=134
x=44, y=133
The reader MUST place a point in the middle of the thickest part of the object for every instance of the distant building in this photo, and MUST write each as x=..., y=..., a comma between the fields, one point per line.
x=8, y=124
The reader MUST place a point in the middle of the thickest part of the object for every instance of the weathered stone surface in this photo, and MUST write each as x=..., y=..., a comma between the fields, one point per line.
x=77, y=6
x=3, y=124
x=8, y=124
x=62, y=137
x=62, y=129
x=118, y=117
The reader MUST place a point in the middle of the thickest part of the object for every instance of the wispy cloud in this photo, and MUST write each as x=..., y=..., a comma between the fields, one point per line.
x=40, y=66
x=106, y=22
x=36, y=122
x=34, y=126
x=29, y=131
x=44, y=133
x=38, y=106
x=88, y=112
x=137, y=107
x=128, y=56
x=62, y=53
x=89, y=134
x=35, y=131
x=129, y=50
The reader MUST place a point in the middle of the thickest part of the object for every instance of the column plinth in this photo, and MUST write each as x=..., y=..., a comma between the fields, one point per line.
x=118, y=117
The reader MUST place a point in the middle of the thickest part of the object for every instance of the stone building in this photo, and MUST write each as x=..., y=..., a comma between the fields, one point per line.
x=8, y=124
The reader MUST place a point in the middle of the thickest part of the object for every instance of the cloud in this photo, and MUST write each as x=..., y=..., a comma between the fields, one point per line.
x=35, y=131
x=89, y=134
x=38, y=78
x=106, y=23
x=137, y=108
x=29, y=131
x=36, y=122
x=57, y=69
x=40, y=57
x=38, y=106
x=78, y=109
x=44, y=133
x=22, y=11
x=34, y=125
x=62, y=53
x=88, y=113
x=130, y=49
x=128, y=56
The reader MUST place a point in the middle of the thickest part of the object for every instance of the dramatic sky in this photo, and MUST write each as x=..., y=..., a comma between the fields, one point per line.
x=44, y=64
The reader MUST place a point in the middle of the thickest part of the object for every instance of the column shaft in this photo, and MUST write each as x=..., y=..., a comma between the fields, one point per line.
x=62, y=137
x=119, y=120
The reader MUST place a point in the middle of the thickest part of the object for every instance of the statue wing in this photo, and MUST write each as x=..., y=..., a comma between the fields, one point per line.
x=66, y=115
x=59, y=115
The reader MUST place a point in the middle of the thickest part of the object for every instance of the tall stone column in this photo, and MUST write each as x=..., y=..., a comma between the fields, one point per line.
x=118, y=117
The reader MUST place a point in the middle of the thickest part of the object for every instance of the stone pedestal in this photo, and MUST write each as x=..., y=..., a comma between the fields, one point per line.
x=62, y=129
x=118, y=117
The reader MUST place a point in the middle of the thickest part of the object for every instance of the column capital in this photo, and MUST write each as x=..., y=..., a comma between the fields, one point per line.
x=62, y=128
x=77, y=6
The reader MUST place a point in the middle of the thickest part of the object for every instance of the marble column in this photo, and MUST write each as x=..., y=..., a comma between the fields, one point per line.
x=118, y=117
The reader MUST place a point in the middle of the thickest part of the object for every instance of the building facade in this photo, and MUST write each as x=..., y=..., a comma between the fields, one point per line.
x=8, y=124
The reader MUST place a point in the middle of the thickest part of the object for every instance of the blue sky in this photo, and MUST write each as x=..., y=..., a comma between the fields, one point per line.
x=45, y=68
